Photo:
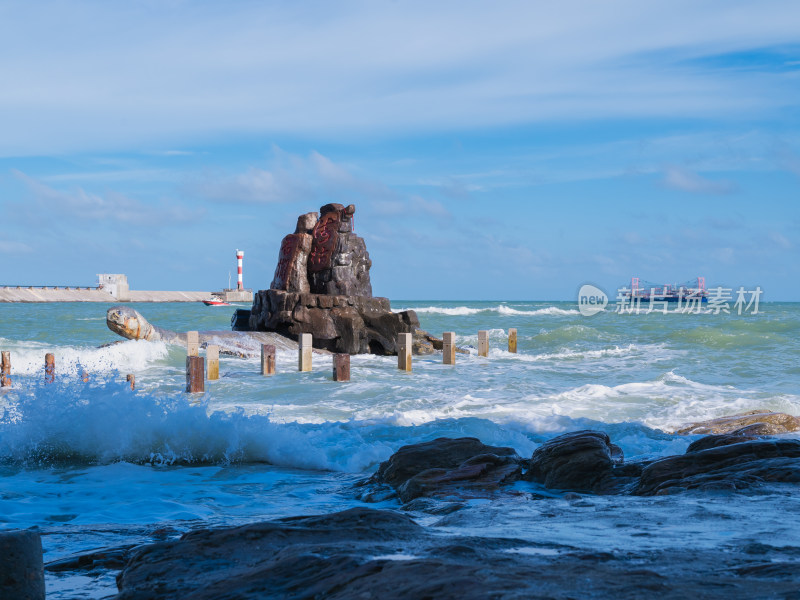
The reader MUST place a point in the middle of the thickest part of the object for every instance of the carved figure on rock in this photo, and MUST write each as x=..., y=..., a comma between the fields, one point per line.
x=322, y=287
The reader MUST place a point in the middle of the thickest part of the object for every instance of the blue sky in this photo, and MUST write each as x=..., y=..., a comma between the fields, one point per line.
x=507, y=150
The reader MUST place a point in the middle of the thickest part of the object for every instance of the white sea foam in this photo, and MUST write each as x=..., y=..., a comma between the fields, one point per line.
x=566, y=355
x=500, y=309
x=129, y=356
x=70, y=421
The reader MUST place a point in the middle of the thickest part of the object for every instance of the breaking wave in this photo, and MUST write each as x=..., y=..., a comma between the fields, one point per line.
x=500, y=309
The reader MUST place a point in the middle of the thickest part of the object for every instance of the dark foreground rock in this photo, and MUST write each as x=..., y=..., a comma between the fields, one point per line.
x=726, y=467
x=759, y=422
x=581, y=461
x=587, y=462
x=372, y=554
x=449, y=468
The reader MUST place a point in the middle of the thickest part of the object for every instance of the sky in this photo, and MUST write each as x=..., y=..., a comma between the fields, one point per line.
x=494, y=150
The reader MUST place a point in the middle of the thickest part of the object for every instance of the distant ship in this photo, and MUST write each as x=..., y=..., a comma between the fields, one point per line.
x=642, y=291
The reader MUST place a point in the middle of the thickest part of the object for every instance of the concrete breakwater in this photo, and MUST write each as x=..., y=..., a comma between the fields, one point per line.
x=95, y=294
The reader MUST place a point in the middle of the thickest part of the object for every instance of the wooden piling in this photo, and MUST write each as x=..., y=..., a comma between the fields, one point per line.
x=192, y=343
x=131, y=378
x=449, y=348
x=49, y=367
x=212, y=360
x=404, y=351
x=483, y=343
x=341, y=367
x=195, y=375
x=512, y=340
x=268, y=359
x=85, y=376
x=304, y=352
x=5, y=368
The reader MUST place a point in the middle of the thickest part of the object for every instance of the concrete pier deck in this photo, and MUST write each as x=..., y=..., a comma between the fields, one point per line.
x=74, y=294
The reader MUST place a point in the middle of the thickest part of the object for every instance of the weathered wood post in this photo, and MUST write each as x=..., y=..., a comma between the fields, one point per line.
x=404, y=351
x=268, y=359
x=304, y=352
x=131, y=378
x=341, y=367
x=5, y=369
x=449, y=348
x=49, y=367
x=483, y=343
x=212, y=358
x=22, y=566
x=512, y=340
x=192, y=343
x=195, y=374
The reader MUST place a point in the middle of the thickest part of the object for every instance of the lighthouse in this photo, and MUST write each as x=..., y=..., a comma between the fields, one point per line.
x=237, y=294
x=239, y=258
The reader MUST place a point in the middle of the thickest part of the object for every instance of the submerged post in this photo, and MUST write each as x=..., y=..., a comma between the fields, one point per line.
x=192, y=343
x=5, y=368
x=483, y=343
x=49, y=367
x=512, y=340
x=341, y=367
x=268, y=359
x=21, y=567
x=449, y=348
x=195, y=375
x=304, y=352
x=131, y=378
x=212, y=358
x=404, y=351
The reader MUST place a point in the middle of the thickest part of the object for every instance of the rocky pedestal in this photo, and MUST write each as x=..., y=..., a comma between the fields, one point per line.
x=351, y=324
x=322, y=287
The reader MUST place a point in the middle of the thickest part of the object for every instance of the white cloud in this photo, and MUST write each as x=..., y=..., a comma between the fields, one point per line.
x=111, y=75
x=780, y=240
x=12, y=247
x=312, y=180
x=412, y=207
x=51, y=204
x=679, y=178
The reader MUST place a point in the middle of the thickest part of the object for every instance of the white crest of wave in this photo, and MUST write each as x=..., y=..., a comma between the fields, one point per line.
x=456, y=311
x=576, y=354
x=27, y=358
x=460, y=311
x=550, y=310
x=74, y=422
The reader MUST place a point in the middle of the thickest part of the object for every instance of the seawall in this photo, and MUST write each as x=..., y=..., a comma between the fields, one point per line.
x=67, y=294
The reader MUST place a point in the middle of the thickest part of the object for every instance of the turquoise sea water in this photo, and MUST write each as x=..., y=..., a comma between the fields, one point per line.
x=95, y=465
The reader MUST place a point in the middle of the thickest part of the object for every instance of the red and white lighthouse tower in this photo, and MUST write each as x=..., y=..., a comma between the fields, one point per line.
x=239, y=257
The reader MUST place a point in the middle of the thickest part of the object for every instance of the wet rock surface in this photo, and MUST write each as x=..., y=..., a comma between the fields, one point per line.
x=587, y=461
x=724, y=467
x=449, y=468
x=760, y=422
x=364, y=553
x=367, y=553
x=581, y=461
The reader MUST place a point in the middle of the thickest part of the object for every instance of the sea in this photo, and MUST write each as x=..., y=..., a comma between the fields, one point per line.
x=95, y=465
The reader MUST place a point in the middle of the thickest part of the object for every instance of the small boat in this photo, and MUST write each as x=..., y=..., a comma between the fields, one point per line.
x=215, y=303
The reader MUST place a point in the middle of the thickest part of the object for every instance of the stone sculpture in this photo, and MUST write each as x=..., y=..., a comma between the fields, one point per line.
x=322, y=286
